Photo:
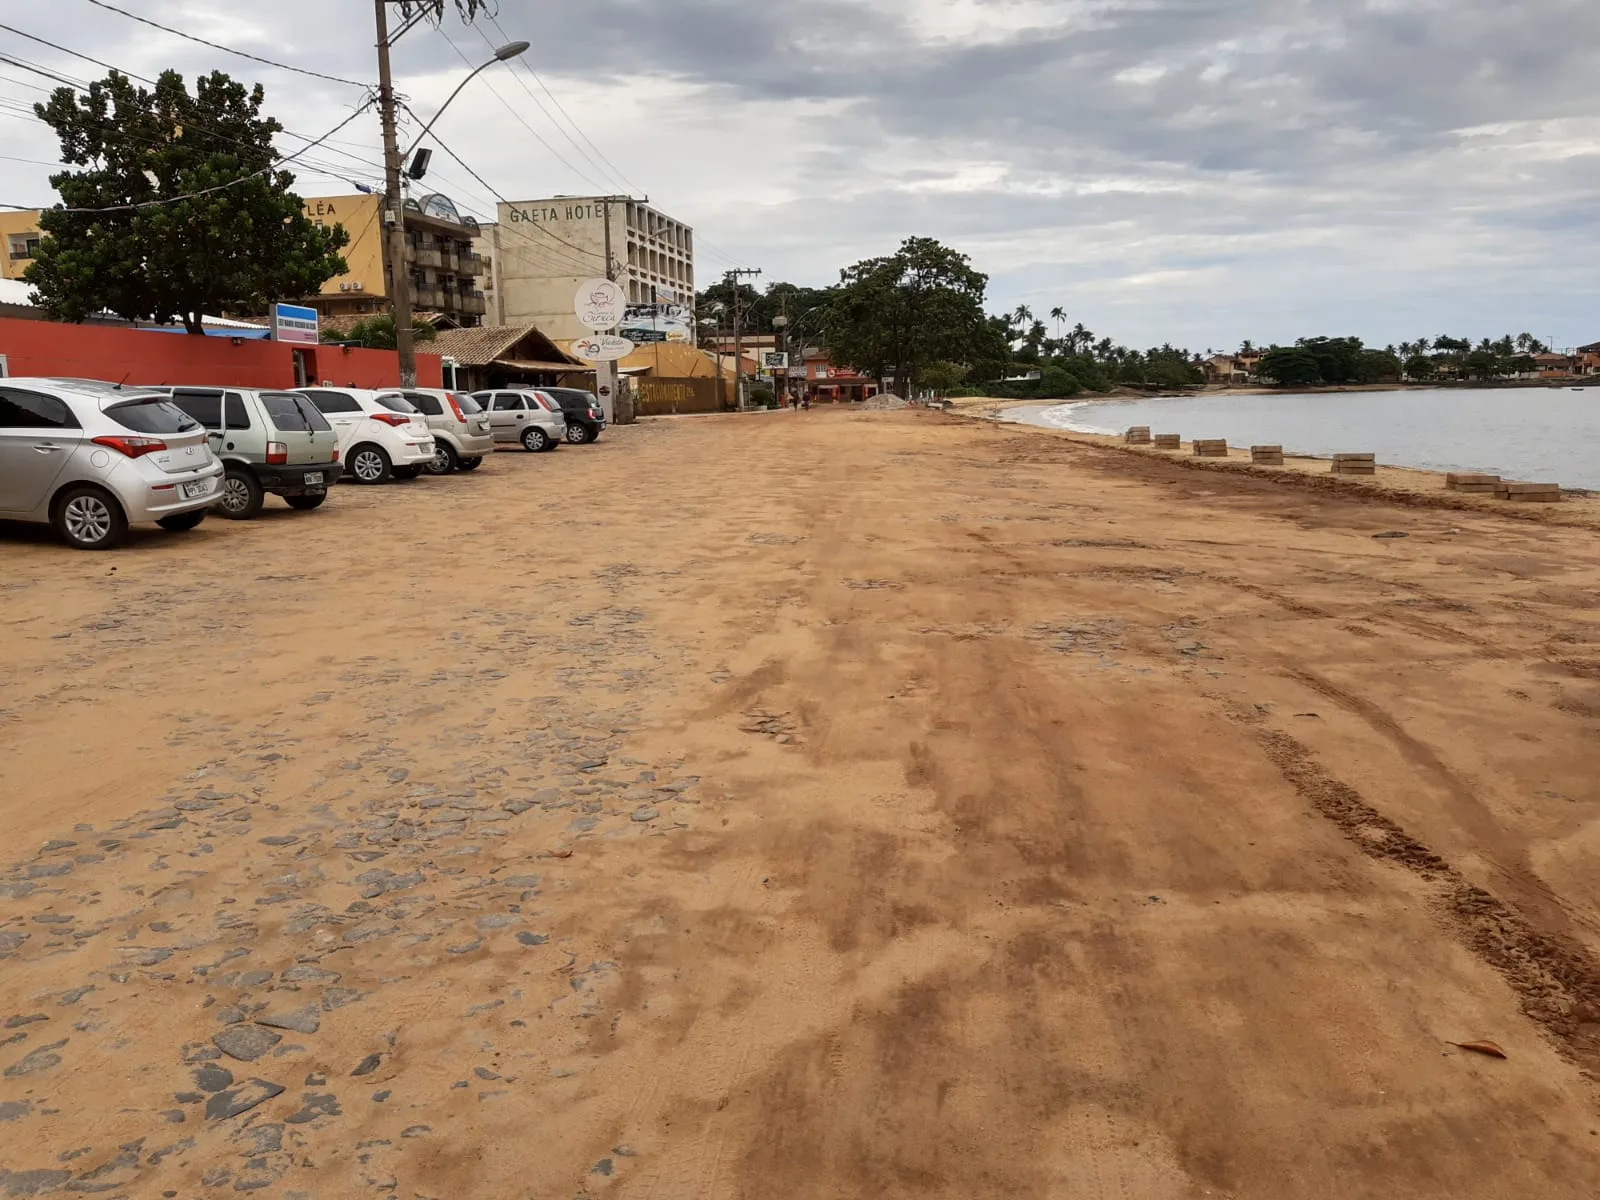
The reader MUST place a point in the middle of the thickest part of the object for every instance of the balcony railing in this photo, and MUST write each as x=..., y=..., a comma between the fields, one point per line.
x=427, y=258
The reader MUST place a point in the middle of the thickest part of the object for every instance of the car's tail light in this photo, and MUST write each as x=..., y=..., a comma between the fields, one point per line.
x=277, y=454
x=398, y=420
x=456, y=408
x=133, y=447
x=336, y=454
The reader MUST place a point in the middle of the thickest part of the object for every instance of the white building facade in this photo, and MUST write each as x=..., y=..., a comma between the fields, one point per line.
x=541, y=250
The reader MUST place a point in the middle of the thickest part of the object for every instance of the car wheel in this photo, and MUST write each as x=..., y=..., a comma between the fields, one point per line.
x=306, y=502
x=535, y=440
x=444, y=459
x=577, y=434
x=407, y=473
x=182, y=522
x=241, y=496
x=369, y=464
x=89, y=519
x=470, y=464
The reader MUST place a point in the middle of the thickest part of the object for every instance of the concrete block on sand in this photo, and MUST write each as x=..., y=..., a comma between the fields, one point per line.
x=1355, y=464
x=1268, y=456
x=1168, y=441
x=1531, y=493
x=1211, y=447
x=1139, y=435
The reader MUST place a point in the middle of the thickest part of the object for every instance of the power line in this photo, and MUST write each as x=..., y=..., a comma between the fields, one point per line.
x=627, y=183
x=510, y=108
x=203, y=191
x=219, y=46
x=495, y=192
x=539, y=104
x=145, y=79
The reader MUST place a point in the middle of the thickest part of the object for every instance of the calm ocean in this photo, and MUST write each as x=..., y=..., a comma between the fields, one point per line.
x=1544, y=435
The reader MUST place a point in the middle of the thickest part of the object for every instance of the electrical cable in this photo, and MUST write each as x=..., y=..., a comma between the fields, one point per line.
x=510, y=108
x=628, y=184
x=203, y=191
x=495, y=192
x=225, y=49
x=145, y=79
x=613, y=177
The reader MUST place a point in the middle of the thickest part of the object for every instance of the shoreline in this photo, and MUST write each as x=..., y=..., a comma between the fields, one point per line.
x=1394, y=483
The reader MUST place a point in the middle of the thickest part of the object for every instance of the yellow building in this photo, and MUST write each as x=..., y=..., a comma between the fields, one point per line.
x=361, y=289
x=20, y=234
x=445, y=266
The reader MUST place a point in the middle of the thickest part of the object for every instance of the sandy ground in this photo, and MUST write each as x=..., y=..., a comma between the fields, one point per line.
x=808, y=805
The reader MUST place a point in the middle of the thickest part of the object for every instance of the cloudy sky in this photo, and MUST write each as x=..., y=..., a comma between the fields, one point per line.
x=1198, y=171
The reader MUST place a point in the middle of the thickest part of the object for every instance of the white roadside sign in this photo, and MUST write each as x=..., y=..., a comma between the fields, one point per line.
x=602, y=348
x=600, y=304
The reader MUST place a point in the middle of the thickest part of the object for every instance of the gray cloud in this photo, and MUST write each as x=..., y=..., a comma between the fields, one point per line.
x=1199, y=170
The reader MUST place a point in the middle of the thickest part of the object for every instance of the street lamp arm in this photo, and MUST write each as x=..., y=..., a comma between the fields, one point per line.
x=503, y=54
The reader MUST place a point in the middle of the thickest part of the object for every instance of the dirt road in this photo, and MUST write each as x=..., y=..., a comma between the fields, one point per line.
x=811, y=805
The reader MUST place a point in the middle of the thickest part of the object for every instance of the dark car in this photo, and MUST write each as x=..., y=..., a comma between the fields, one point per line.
x=585, y=418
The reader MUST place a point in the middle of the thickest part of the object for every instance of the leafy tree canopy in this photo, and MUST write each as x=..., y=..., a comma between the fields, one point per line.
x=377, y=333
x=898, y=314
x=236, y=248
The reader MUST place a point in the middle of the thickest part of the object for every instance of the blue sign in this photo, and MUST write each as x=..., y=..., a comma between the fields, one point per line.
x=293, y=323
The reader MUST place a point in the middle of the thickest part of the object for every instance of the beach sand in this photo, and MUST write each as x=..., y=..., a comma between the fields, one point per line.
x=821, y=804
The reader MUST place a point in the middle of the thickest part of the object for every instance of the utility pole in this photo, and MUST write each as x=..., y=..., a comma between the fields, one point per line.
x=394, y=214
x=738, y=334
x=605, y=374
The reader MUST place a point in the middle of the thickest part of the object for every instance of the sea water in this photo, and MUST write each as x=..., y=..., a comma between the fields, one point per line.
x=1542, y=435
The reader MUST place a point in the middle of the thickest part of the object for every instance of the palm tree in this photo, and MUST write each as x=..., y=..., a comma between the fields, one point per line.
x=1104, y=349
x=1058, y=315
x=1081, y=337
x=1023, y=315
x=1247, y=347
x=1526, y=342
x=1423, y=345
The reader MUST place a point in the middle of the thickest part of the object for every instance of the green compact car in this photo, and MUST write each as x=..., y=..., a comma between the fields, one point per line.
x=269, y=442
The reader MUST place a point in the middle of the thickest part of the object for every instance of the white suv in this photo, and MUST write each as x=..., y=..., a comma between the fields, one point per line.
x=381, y=434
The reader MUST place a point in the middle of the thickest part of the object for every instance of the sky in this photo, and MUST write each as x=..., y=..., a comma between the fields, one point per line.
x=1189, y=171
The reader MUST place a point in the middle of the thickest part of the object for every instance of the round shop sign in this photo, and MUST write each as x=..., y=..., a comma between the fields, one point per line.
x=602, y=347
x=600, y=304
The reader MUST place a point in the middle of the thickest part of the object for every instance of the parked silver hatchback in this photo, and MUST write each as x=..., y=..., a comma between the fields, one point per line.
x=524, y=416
x=91, y=458
x=460, y=428
x=273, y=442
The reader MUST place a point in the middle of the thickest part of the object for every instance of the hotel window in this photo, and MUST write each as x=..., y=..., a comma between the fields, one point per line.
x=24, y=245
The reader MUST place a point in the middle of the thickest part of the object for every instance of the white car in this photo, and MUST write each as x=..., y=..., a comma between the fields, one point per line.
x=382, y=436
x=91, y=458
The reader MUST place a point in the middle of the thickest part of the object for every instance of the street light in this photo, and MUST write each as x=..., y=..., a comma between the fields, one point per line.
x=504, y=54
x=399, y=276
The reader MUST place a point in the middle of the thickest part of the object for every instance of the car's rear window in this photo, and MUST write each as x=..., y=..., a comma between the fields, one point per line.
x=548, y=404
x=468, y=406
x=396, y=403
x=572, y=398
x=152, y=414
x=293, y=414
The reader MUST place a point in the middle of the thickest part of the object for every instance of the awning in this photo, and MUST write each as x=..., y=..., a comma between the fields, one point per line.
x=520, y=364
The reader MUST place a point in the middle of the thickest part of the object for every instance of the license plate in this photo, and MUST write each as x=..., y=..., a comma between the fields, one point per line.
x=313, y=478
x=192, y=491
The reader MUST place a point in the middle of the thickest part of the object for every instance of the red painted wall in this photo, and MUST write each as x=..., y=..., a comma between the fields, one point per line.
x=110, y=352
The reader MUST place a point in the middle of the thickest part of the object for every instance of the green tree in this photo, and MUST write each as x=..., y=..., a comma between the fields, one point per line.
x=178, y=210
x=1290, y=366
x=896, y=315
x=944, y=377
x=377, y=333
x=1420, y=368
